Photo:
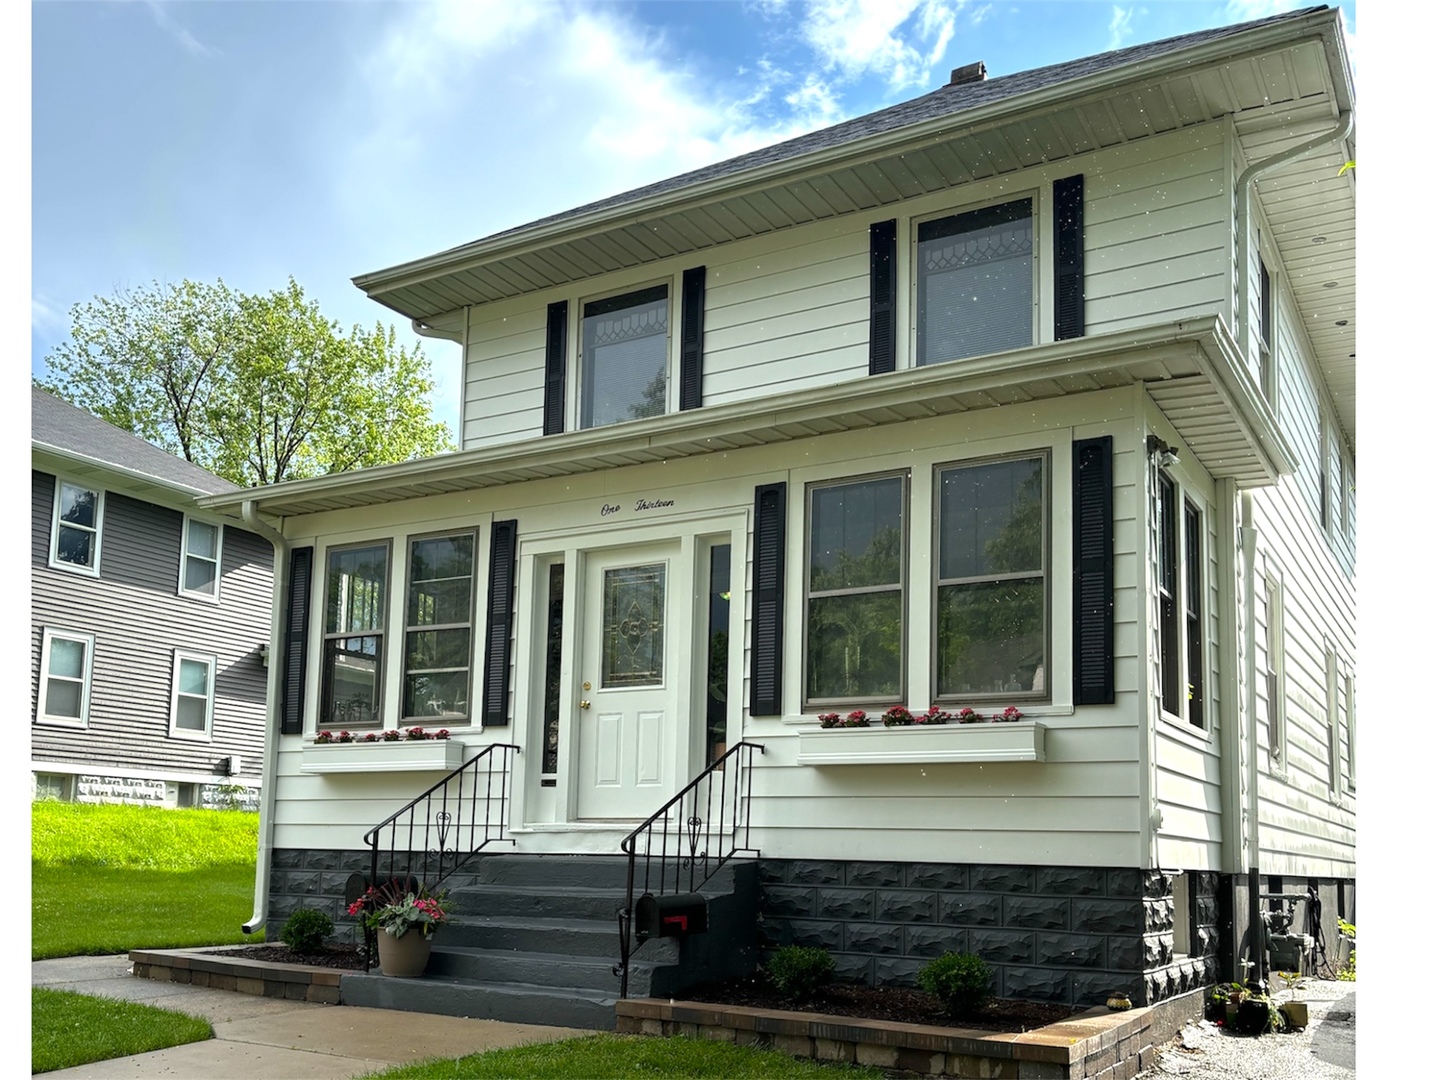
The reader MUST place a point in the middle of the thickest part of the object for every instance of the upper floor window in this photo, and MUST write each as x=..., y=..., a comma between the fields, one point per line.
x=855, y=590
x=990, y=602
x=355, y=583
x=1267, y=332
x=200, y=559
x=439, y=610
x=75, y=540
x=975, y=283
x=192, y=694
x=65, y=661
x=625, y=349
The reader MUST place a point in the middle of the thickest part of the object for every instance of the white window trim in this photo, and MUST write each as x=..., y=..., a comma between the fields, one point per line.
x=1042, y=270
x=186, y=733
x=41, y=716
x=214, y=595
x=1183, y=495
x=384, y=705
x=1274, y=585
x=93, y=570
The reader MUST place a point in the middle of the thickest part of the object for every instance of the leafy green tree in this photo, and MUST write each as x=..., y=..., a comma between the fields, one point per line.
x=255, y=388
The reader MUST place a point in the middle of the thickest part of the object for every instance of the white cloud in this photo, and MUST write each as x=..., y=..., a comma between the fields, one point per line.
x=46, y=318
x=1246, y=10
x=1120, y=28
x=183, y=36
x=899, y=40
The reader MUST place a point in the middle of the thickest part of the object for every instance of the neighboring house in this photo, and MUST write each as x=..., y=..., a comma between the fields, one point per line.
x=1032, y=392
x=149, y=620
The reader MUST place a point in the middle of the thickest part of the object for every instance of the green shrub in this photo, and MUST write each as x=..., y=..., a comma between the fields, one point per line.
x=306, y=930
x=960, y=980
x=797, y=971
x=1347, y=973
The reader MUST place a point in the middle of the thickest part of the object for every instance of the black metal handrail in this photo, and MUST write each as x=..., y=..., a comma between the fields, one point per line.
x=443, y=827
x=691, y=828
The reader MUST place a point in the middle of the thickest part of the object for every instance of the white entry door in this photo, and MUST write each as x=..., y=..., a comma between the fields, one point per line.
x=628, y=707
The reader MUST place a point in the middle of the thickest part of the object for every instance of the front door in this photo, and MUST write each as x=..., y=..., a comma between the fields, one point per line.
x=628, y=678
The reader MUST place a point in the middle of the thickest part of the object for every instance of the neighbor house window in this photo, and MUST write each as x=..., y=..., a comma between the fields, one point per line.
x=192, y=694
x=975, y=283
x=439, y=611
x=75, y=542
x=200, y=560
x=990, y=594
x=65, y=660
x=625, y=347
x=355, y=581
x=855, y=591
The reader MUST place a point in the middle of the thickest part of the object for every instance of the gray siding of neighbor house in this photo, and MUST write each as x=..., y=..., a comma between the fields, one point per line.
x=139, y=619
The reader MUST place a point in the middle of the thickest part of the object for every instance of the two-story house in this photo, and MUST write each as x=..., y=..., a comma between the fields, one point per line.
x=149, y=623
x=1036, y=393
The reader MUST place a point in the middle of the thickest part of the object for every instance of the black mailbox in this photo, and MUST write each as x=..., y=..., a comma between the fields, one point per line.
x=670, y=916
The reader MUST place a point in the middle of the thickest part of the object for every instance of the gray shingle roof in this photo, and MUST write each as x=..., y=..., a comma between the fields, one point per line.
x=58, y=425
x=942, y=102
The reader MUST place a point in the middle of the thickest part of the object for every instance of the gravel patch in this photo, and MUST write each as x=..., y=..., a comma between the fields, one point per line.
x=1323, y=1051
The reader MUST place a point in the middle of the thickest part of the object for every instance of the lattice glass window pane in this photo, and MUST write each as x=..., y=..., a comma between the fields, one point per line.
x=633, y=632
x=976, y=283
x=624, y=359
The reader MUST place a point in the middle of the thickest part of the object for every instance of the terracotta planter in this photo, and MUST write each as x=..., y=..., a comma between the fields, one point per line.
x=403, y=957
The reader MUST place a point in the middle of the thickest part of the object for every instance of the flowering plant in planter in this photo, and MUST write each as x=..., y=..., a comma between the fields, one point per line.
x=396, y=915
x=968, y=715
x=1010, y=714
x=933, y=715
x=415, y=734
x=897, y=716
x=829, y=719
x=858, y=718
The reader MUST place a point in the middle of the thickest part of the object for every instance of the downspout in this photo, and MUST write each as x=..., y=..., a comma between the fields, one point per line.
x=1234, y=702
x=1342, y=129
x=463, y=340
x=251, y=517
x=1250, y=803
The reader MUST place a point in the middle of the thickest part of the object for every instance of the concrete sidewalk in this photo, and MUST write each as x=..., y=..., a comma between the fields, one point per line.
x=261, y=1038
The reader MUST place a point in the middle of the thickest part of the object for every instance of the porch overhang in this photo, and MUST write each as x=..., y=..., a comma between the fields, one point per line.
x=1190, y=369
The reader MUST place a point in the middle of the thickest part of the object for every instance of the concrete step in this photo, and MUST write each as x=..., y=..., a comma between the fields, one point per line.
x=520, y=1003
x=539, y=968
x=538, y=901
x=564, y=937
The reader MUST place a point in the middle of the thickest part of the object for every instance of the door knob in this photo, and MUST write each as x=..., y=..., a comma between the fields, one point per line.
x=584, y=703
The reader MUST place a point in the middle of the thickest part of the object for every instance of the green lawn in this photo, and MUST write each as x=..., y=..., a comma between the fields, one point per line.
x=75, y=1029
x=609, y=1057
x=108, y=879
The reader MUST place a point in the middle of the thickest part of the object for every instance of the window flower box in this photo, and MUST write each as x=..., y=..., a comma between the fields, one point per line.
x=1021, y=740
x=406, y=755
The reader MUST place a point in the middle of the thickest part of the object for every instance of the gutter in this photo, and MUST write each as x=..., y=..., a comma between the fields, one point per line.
x=251, y=516
x=1338, y=133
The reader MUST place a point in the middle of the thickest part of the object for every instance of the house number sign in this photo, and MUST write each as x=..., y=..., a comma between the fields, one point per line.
x=641, y=506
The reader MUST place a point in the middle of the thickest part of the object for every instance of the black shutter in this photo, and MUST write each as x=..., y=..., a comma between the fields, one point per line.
x=692, y=336
x=500, y=618
x=1094, y=584
x=297, y=619
x=882, y=297
x=555, y=333
x=1070, y=258
x=767, y=621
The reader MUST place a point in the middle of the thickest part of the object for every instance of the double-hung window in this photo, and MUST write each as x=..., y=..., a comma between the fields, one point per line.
x=990, y=592
x=1169, y=600
x=975, y=276
x=75, y=541
x=65, y=660
x=1267, y=333
x=625, y=350
x=1194, y=630
x=192, y=695
x=1181, y=586
x=200, y=559
x=355, y=584
x=855, y=590
x=439, y=612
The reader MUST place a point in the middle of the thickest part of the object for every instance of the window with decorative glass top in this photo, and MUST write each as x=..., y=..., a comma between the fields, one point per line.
x=438, y=617
x=634, y=627
x=975, y=275
x=855, y=590
x=992, y=540
x=625, y=347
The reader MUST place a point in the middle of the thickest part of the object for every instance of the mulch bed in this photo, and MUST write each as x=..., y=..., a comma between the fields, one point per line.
x=344, y=957
x=892, y=1003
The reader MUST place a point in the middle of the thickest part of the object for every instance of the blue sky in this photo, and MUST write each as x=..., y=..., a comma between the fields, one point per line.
x=255, y=141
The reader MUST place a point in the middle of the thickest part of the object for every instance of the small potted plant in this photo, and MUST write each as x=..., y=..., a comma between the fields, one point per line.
x=403, y=924
x=933, y=715
x=1009, y=716
x=829, y=719
x=1296, y=1010
x=858, y=718
x=897, y=716
x=968, y=715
